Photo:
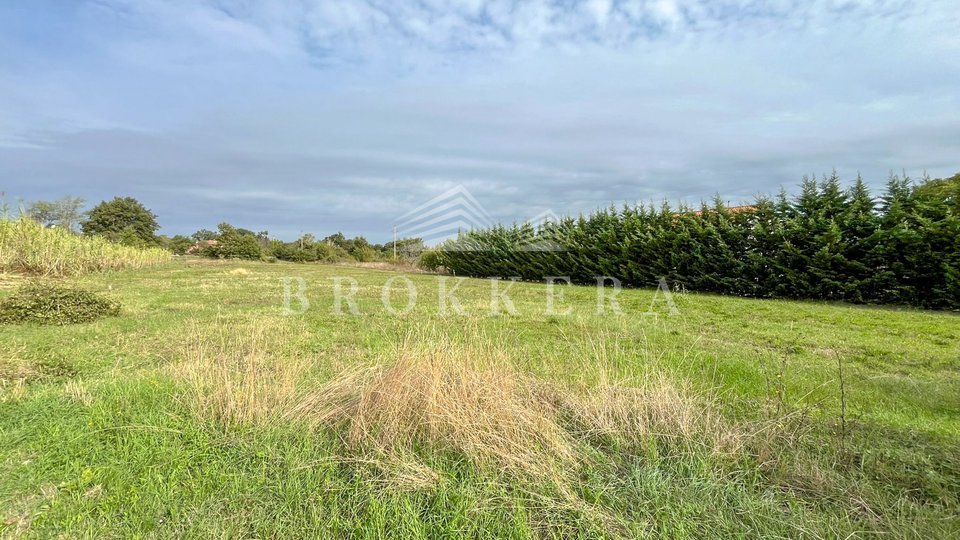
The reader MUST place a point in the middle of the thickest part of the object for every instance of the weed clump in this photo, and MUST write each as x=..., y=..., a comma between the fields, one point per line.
x=48, y=303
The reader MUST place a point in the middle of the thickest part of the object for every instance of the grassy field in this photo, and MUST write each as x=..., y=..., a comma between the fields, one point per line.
x=203, y=411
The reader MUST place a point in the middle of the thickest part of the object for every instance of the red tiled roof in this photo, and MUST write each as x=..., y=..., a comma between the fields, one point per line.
x=200, y=245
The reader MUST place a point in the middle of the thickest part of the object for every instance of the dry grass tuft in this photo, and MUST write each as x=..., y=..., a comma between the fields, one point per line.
x=13, y=364
x=15, y=372
x=655, y=409
x=447, y=396
x=94, y=493
x=438, y=394
x=75, y=390
x=12, y=391
x=240, y=373
x=10, y=281
x=239, y=272
x=433, y=396
x=402, y=473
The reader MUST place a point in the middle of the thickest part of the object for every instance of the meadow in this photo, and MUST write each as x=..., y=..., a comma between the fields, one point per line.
x=203, y=411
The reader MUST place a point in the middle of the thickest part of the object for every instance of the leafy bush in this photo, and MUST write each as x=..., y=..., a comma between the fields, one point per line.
x=363, y=253
x=237, y=246
x=234, y=243
x=179, y=244
x=431, y=260
x=46, y=303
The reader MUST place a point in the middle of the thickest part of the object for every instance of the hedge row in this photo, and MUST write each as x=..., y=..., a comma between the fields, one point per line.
x=825, y=243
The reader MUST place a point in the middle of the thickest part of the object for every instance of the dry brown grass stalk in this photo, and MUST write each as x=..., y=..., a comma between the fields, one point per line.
x=445, y=396
x=655, y=409
x=242, y=372
x=436, y=393
x=75, y=390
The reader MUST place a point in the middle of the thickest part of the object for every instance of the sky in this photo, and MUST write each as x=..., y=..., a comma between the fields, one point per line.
x=322, y=116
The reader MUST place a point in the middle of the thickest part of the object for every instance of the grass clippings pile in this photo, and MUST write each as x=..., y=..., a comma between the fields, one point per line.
x=55, y=304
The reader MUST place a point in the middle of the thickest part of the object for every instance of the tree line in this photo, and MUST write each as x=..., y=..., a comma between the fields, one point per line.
x=125, y=220
x=828, y=242
x=235, y=242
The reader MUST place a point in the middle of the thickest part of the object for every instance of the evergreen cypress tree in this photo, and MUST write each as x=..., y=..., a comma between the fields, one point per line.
x=827, y=250
x=833, y=200
x=858, y=224
x=892, y=244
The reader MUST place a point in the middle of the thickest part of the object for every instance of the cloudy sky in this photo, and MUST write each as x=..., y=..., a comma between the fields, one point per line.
x=318, y=116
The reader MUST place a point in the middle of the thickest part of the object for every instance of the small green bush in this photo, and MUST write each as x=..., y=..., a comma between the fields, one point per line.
x=430, y=259
x=47, y=303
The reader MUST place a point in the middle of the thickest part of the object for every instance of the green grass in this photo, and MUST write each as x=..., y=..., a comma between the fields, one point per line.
x=99, y=436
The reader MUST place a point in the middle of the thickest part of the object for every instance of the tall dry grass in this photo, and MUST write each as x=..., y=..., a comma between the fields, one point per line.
x=240, y=372
x=443, y=395
x=27, y=247
x=439, y=394
x=432, y=395
x=432, y=392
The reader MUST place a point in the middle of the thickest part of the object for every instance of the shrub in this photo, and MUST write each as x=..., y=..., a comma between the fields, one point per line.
x=331, y=253
x=431, y=260
x=238, y=246
x=179, y=244
x=363, y=254
x=46, y=303
x=234, y=243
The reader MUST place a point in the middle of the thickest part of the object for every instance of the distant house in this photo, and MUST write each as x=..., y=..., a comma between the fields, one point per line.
x=200, y=245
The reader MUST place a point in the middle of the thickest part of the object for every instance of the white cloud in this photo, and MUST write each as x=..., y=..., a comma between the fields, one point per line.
x=600, y=9
x=366, y=108
x=668, y=11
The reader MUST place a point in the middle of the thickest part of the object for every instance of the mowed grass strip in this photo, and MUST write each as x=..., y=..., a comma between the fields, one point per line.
x=202, y=411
